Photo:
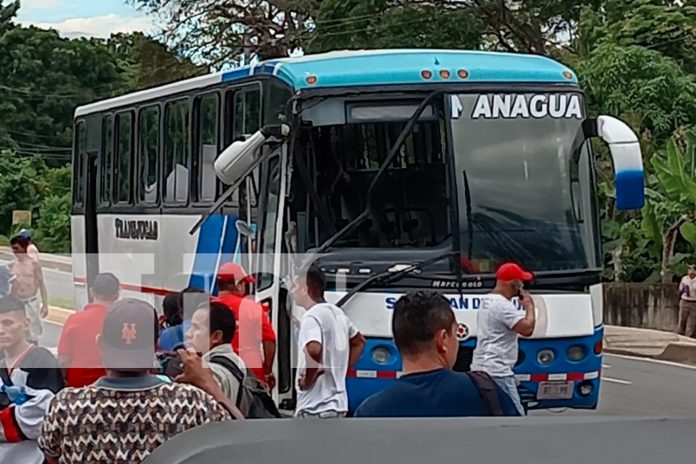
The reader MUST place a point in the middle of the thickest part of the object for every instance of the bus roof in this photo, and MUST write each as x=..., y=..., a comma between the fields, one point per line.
x=370, y=67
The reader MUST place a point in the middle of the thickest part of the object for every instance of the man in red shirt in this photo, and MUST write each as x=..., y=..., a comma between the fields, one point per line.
x=78, y=353
x=254, y=328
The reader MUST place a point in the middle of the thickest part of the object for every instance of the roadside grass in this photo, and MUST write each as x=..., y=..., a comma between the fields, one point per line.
x=65, y=303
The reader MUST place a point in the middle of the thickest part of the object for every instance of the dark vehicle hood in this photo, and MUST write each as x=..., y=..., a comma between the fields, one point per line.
x=533, y=440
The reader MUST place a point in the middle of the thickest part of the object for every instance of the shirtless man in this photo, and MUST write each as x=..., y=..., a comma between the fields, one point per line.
x=28, y=279
x=31, y=249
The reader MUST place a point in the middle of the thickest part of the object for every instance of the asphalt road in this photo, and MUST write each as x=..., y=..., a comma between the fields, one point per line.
x=643, y=388
x=630, y=387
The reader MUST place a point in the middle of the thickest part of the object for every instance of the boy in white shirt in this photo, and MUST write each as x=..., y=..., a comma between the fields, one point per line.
x=330, y=344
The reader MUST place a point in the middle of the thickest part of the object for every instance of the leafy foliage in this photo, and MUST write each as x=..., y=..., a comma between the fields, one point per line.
x=43, y=77
x=148, y=63
x=53, y=226
x=638, y=84
x=358, y=24
x=220, y=31
x=18, y=185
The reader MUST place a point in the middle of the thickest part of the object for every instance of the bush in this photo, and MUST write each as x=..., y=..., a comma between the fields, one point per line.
x=53, y=227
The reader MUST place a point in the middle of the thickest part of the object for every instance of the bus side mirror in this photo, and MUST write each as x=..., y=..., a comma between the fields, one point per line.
x=237, y=159
x=627, y=160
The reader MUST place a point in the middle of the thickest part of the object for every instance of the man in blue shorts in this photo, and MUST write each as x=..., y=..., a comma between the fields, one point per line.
x=425, y=329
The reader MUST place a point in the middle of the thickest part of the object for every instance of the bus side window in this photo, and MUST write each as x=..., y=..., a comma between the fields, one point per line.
x=177, y=151
x=107, y=158
x=80, y=152
x=124, y=154
x=276, y=97
x=243, y=118
x=148, y=154
x=207, y=147
x=247, y=112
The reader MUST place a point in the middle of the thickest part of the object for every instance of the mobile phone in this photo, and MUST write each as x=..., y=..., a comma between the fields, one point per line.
x=173, y=367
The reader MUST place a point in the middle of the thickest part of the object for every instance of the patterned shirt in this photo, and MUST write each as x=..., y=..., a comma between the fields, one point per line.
x=122, y=420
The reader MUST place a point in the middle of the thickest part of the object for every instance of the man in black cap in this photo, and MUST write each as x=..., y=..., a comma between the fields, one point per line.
x=128, y=413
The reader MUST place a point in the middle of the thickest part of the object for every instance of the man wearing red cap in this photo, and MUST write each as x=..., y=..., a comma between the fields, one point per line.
x=254, y=328
x=500, y=323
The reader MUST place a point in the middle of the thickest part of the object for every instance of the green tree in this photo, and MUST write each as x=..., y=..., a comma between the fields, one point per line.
x=148, y=63
x=43, y=77
x=671, y=209
x=641, y=86
x=221, y=32
x=53, y=225
x=667, y=27
x=352, y=24
x=18, y=185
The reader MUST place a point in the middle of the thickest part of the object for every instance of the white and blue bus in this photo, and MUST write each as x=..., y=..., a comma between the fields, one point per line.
x=399, y=169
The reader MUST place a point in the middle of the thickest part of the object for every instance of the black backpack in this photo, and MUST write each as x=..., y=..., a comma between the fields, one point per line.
x=253, y=399
x=489, y=392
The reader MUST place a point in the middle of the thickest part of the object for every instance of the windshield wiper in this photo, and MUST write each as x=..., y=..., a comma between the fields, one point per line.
x=388, y=277
x=382, y=169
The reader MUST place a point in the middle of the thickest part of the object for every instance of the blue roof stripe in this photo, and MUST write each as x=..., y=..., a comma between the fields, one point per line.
x=236, y=74
x=393, y=67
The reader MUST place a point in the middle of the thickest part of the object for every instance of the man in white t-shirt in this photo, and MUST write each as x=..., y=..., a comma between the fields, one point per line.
x=500, y=323
x=329, y=344
x=687, y=304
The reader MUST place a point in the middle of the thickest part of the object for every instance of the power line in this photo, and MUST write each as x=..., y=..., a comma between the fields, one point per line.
x=353, y=31
x=31, y=95
x=33, y=146
x=32, y=134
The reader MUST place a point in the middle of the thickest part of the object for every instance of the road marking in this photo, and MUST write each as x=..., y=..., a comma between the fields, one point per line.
x=654, y=361
x=606, y=366
x=619, y=381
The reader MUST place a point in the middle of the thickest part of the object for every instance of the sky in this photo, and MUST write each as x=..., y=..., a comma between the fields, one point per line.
x=84, y=18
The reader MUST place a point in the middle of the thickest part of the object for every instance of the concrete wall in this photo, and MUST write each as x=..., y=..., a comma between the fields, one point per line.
x=643, y=306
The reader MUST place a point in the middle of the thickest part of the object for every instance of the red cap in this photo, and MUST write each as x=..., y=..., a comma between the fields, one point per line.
x=235, y=272
x=511, y=271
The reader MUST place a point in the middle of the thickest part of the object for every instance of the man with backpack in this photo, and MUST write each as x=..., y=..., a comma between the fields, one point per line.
x=425, y=328
x=212, y=329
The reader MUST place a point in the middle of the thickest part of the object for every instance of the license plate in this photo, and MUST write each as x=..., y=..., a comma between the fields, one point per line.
x=555, y=390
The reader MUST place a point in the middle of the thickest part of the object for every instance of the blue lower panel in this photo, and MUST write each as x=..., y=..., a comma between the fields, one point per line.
x=590, y=365
x=370, y=377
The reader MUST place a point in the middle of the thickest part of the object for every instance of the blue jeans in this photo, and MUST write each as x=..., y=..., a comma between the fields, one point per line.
x=509, y=386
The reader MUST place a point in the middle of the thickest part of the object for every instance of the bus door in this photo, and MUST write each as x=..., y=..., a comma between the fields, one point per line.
x=91, y=229
x=268, y=261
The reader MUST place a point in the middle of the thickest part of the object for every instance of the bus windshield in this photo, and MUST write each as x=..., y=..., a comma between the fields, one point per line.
x=411, y=203
x=525, y=181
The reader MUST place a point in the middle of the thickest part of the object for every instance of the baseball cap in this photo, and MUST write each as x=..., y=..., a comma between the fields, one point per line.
x=235, y=272
x=129, y=335
x=511, y=271
x=24, y=233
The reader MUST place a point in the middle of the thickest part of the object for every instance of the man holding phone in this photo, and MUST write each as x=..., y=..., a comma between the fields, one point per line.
x=500, y=323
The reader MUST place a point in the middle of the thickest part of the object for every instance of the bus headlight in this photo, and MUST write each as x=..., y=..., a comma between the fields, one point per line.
x=381, y=356
x=576, y=353
x=546, y=356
